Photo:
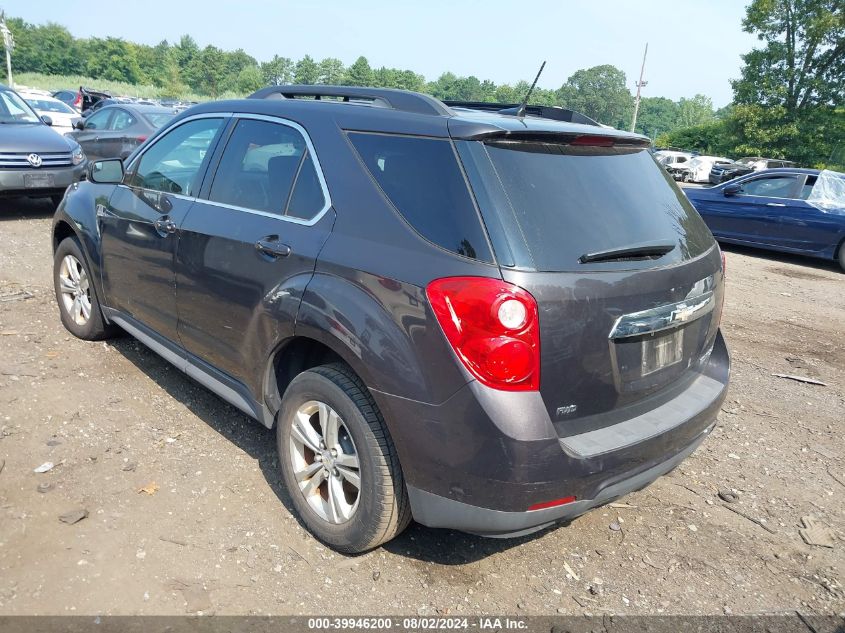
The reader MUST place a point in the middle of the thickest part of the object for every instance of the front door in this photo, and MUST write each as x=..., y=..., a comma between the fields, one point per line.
x=90, y=135
x=249, y=245
x=138, y=224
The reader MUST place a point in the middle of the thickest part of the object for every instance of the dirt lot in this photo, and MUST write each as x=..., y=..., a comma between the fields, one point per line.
x=216, y=533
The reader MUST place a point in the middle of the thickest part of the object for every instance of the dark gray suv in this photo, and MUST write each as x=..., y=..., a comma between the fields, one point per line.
x=483, y=318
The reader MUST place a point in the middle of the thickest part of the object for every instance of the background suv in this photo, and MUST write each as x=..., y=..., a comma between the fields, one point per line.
x=486, y=317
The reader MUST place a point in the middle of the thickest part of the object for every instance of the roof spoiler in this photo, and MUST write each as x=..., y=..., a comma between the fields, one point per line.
x=544, y=112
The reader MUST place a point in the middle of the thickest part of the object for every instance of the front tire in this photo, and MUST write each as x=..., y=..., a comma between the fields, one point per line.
x=338, y=461
x=79, y=306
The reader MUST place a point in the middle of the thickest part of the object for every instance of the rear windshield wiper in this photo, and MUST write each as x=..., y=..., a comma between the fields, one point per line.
x=643, y=250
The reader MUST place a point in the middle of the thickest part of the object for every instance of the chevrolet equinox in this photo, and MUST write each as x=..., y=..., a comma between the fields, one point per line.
x=483, y=317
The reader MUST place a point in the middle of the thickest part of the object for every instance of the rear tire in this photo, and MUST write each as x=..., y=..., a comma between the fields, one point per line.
x=841, y=257
x=319, y=465
x=79, y=306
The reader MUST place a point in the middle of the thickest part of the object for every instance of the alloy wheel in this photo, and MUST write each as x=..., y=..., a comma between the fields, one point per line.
x=75, y=289
x=325, y=462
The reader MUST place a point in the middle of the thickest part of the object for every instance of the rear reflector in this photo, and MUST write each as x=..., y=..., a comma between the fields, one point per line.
x=551, y=504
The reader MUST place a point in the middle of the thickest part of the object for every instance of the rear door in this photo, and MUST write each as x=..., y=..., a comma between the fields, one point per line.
x=760, y=207
x=117, y=140
x=625, y=273
x=802, y=226
x=250, y=244
x=138, y=224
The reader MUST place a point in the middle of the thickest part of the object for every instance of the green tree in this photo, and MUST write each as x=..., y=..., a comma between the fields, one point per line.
x=695, y=111
x=657, y=115
x=802, y=61
x=330, y=71
x=113, y=59
x=249, y=80
x=359, y=73
x=278, y=71
x=599, y=92
x=306, y=71
x=207, y=71
x=47, y=49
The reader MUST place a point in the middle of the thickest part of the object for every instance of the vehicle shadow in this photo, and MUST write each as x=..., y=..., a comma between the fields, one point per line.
x=25, y=208
x=783, y=258
x=443, y=547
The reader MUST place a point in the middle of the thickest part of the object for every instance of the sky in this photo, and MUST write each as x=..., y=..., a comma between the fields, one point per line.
x=693, y=46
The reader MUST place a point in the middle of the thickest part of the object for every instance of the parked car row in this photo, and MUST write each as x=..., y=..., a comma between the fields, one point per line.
x=689, y=166
x=86, y=101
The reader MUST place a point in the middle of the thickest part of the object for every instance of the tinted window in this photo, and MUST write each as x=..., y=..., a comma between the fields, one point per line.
x=423, y=180
x=173, y=163
x=121, y=120
x=97, y=121
x=259, y=166
x=307, y=198
x=560, y=202
x=773, y=187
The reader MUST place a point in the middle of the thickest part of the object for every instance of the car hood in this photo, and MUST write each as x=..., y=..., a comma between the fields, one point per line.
x=32, y=137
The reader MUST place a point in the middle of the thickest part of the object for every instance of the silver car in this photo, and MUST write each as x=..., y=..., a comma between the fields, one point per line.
x=35, y=161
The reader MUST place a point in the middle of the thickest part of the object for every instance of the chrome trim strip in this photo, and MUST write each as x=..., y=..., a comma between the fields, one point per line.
x=663, y=317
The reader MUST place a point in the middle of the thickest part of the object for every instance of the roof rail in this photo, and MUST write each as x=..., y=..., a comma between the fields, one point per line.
x=403, y=100
x=544, y=112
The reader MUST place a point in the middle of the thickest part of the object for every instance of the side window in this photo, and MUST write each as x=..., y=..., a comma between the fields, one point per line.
x=773, y=187
x=98, y=121
x=259, y=167
x=807, y=189
x=121, y=120
x=682, y=159
x=172, y=164
x=423, y=180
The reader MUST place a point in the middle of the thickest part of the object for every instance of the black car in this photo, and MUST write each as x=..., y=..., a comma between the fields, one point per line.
x=485, y=320
x=728, y=171
x=35, y=161
x=114, y=131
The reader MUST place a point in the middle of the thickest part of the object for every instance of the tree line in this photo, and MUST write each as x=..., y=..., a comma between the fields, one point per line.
x=176, y=68
x=788, y=101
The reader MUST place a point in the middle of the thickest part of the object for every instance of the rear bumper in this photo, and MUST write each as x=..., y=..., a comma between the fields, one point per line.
x=435, y=511
x=13, y=181
x=478, y=461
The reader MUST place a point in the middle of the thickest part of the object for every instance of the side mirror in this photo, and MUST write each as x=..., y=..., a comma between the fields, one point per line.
x=79, y=124
x=46, y=119
x=106, y=172
x=732, y=190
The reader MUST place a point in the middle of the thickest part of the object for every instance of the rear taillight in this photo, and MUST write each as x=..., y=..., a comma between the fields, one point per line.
x=493, y=326
x=77, y=103
x=141, y=139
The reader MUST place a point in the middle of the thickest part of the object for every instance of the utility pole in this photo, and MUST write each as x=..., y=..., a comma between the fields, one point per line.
x=640, y=85
x=8, y=44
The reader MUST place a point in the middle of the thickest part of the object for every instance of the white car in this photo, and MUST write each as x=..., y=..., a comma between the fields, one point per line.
x=675, y=162
x=700, y=166
x=59, y=112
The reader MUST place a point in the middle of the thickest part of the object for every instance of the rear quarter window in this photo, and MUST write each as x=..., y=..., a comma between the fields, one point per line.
x=422, y=179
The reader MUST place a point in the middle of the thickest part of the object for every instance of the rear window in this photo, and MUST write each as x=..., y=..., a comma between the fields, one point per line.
x=422, y=179
x=561, y=202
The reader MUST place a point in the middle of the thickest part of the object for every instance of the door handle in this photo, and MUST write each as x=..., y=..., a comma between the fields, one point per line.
x=271, y=247
x=775, y=204
x=165, y=226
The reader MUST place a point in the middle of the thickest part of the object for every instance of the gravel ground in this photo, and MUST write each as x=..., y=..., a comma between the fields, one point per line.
x=186, y=512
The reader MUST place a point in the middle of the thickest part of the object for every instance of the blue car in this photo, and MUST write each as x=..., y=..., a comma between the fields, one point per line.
x=777, y=209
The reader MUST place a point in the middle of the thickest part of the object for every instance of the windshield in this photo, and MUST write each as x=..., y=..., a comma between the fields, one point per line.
x=157, y=119
x=13, y=109
x=567, y=201
x=50, y=105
